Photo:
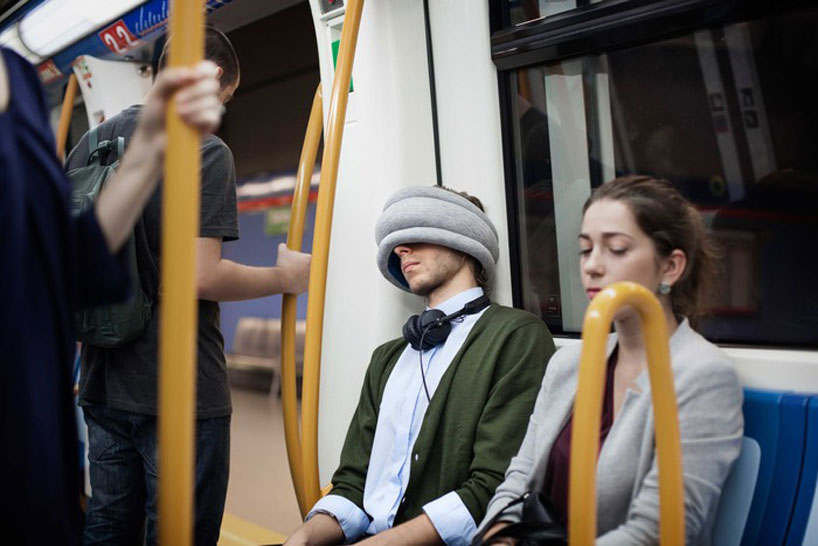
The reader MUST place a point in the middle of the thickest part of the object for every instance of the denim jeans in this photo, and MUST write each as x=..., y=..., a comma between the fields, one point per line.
x=122, y=456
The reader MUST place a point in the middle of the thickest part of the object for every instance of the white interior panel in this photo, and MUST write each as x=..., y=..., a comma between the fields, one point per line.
x=387, y=146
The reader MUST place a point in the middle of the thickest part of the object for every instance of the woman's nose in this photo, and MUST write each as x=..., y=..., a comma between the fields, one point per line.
x=592, y=265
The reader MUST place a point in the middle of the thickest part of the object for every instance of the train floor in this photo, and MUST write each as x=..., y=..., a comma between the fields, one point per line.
x=260, y=493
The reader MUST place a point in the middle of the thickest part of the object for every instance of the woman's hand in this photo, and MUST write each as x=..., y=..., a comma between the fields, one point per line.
x=499, y=540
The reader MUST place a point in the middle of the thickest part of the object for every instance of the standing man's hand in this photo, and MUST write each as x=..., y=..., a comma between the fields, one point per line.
x=295, y=266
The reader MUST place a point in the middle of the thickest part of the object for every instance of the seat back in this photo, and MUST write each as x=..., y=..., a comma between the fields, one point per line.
x=804, y=523
x=737, y=495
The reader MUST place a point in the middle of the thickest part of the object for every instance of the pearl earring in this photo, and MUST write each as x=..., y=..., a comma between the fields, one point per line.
x=664, y=288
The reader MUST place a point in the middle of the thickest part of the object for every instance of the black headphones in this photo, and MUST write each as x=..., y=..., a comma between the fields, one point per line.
x=432, y=327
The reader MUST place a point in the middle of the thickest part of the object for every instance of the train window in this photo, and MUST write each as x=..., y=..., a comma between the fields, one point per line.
x=727, y=115
x=523, y=11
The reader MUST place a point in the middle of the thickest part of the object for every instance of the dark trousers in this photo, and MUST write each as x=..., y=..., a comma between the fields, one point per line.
x=122, y=456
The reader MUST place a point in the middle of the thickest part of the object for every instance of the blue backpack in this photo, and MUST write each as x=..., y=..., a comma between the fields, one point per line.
x=107, y=325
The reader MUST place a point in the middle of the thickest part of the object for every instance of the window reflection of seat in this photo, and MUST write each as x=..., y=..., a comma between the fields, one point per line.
x=778, y=212
x=255, y=362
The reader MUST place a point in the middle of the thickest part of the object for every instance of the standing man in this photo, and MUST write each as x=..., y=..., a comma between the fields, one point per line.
x=118, y=386
x=444, y=408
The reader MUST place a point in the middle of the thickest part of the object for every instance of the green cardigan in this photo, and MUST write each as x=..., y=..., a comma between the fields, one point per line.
x=475, y=422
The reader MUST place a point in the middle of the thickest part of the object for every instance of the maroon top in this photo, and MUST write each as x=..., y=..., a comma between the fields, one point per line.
x=556, y=474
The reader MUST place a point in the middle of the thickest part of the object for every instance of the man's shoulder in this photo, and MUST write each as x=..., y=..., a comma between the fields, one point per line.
x=510, y=317
x=211, y=142
x=388, y=349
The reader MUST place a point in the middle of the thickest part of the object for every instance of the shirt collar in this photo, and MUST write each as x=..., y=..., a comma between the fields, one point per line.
x=458, y=301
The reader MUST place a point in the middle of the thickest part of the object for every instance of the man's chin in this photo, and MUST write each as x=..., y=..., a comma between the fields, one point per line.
x=420, y=289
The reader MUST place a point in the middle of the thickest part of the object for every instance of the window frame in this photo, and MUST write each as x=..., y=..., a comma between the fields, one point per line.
x=593, y=29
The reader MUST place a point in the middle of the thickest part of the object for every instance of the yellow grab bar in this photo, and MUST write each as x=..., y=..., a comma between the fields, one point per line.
x=177, y=319
x=320, y=250
x=295, y=236
x=588, y=408
x=65, y=114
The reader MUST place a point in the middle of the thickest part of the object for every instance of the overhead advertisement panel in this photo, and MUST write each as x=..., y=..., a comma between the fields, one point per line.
x=119, y=38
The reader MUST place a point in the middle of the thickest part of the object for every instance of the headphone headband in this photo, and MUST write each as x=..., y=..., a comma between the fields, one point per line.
x=472, y=307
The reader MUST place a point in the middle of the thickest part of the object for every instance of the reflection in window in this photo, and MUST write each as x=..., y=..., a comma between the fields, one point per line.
x=725, y=114
x=541, y=288
x=523, y=11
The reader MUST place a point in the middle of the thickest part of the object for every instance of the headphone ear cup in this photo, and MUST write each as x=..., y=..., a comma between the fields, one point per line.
x=411, y=331
x=436, y=334
x=423, y=327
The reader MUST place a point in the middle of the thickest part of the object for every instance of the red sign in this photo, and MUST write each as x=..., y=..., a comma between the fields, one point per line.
x=48, y=71
x=118, y=38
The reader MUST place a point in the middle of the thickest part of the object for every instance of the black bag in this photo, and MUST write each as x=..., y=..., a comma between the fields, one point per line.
x=538, y=526
x=107, y=325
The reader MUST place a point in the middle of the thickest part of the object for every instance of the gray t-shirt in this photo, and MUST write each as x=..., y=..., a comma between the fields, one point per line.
x=125, y=377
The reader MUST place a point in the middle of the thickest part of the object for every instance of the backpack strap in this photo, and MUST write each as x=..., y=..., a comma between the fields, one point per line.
x=93, y=141
x=120, y=148
x=96, y=148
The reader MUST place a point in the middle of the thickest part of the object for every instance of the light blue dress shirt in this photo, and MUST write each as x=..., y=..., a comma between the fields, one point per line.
x=400, y=417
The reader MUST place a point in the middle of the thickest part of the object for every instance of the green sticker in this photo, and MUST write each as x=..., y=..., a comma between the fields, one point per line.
x=277, y=221
x=335, y=47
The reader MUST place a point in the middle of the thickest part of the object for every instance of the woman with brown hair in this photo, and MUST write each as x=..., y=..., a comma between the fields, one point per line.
x=641, y=230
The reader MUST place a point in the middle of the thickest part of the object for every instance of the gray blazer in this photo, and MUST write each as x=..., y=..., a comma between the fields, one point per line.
x=711, y=424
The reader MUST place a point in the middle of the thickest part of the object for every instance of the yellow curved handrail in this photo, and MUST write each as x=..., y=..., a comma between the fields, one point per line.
x=65, y=114
x=177, y=319
x=320, y=250
x=295, y=236
x=588, y=409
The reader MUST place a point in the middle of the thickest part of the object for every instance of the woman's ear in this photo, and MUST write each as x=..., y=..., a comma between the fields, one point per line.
x=674, y=267
x=219, y=73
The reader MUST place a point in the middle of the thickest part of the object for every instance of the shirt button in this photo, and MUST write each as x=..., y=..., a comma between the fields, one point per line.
x=416, y=456
x=403, y=500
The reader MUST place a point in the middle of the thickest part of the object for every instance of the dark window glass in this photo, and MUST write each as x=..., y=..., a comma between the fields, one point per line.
x=523, y=11
x=728, y=116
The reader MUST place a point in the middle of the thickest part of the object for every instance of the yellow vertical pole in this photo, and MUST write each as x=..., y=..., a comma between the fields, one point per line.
x=177, y=336
x=320, y=249
x=588, y=409
x=65, y=114
x=295, y=236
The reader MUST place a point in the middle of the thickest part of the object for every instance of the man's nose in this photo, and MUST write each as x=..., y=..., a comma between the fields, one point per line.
x=402, y=250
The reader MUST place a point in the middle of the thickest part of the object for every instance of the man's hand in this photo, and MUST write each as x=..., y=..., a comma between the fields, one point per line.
x=295, y=266
x=319, y=530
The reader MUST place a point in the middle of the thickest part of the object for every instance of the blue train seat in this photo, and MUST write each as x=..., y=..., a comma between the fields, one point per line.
x=762, y=410
x=737, y=495
x=777, y=421
x=789, y=460
x=804, y=524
